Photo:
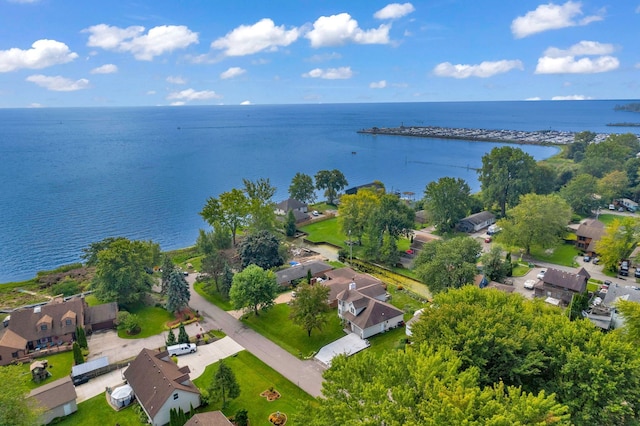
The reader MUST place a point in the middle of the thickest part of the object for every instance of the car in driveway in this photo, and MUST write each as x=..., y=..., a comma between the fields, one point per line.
x=80, y=380
x=529, y=284
x=540, y=275
x=587, y=258
x=595, y=260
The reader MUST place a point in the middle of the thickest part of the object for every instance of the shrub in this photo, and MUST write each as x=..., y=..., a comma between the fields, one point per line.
x=241, y=418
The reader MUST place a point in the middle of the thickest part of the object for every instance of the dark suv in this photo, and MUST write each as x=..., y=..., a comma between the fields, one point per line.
x=624, y=268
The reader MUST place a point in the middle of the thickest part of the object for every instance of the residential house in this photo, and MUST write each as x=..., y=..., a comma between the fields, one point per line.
x=160, y=385
x=56, y=399
x=588, y=234
x=366, y=316
x=558, y=287
x=615, y=293
x=338, y=280
x=51, y=324
x=476, y=222
x=287, y=276
x=298, y=208
x=376, y=185
x=209, y=418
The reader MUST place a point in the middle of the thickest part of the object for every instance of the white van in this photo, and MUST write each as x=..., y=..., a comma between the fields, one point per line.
x=181, y=349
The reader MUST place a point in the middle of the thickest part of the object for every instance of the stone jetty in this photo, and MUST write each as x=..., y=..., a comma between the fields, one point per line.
x=541, y=137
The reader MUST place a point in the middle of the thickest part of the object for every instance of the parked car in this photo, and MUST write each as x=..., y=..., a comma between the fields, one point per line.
x=612, y=207
x=77, y=381
x=541, y=275
x=595, y=260
x=624, y=268
x=528, y=284
x=587, y=258
x=315, y=213
x=181, y=349
x=636, y=273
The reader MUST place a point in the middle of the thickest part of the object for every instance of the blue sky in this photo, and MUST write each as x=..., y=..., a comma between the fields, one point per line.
x=56, y=53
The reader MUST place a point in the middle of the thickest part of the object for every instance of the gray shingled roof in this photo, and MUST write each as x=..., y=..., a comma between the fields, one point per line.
x=54, y=394
x=573, y=282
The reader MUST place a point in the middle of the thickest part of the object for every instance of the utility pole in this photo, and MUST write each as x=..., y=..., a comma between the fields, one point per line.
x=350, y=248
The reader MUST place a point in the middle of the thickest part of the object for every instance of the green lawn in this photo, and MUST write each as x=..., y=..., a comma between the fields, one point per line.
x=153, y=321
x=212, y=296
x=275, y=325
x=405, y=301
x=607, y=218
x=59, y=366
x=562, y=254
x=97, y=411
x=326, y=231
x=387, y=342
x=520, y=270
x=254, y=377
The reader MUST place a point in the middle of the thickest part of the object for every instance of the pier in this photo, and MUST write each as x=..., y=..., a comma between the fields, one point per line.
x=541, y=137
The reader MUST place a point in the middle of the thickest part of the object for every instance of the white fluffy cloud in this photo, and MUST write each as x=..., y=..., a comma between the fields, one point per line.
x=105, y=69
x=571, y=98
x=550, y=17
x=157, y=41
x=192, y=95
x=250, y=39
x=232, y=72
x=582, y=48
x=483, y=70
x=378, y=84
x=58, y=83
x=176, y=79
x=394, y=11
x=340, y=29
x=43, y=53
x=341, y=73
x=245, y=103
x=569, y=65
x=535, y=98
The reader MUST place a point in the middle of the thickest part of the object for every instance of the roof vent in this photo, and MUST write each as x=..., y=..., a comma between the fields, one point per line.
x=37, y=309
x=352, y=286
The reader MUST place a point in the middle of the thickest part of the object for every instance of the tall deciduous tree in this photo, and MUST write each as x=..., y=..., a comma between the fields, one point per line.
x=224, y=385
x=619, y=239
x=506, y=174
x=447, y=201
x=537, y=220
x=15, y=408
x=261, y=207
x=631, y=313
x=331, y=181
x=444, y=264
x=213, y=265
x=494, y=266
x=120, y=271
x=261, y=248
x=580, y=193
x=309, y=306
x=178, y=293
x=302, y=188
x=230, y=210
x=354, y=211
x=613, y=185
x=90, y=254
x=253, y=288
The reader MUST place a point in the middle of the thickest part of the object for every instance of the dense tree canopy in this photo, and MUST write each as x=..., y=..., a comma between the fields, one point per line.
x=121, y=270
x=619, y=239
x=260, y=194
x=444, y=264
x=309, y=306
x=534, y=345
x=302, y=188
x=537, y=220
x=355, y=210
x=580, y=194
x=506, y=174
x=261, y=248
x=494, y=266
x=331, y=181
x=230, y=211
x=253, y=288
x=447, y=201
x=609, y=155
x=613, y=185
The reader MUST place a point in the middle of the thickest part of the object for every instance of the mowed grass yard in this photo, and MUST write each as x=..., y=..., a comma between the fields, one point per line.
x=326, y=231
x=562, y=254
x=97, y=411
x=254, y=377
x=59, y=366
x=276, y=326
x=153, y=320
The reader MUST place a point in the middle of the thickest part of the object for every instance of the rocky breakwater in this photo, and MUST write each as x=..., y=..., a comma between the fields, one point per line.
x=541, y=137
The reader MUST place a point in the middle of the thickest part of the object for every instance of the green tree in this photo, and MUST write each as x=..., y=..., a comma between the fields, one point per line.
x=231, y=210
x=309, y=306
x=575, y=150
x=580, y=193
x=167, y=269
x=261, y=248
x=178, y=293
x=302, y=188
x=171, y=338
x=226, y=281
x=354, y=211
x=241, y=418
x=224, y=385
x=15, y=408
x=422, y=386
x=183, y=337
x=447, y=201
x=128, y=322
x=120, y=271
x=444, y=264
x=506, y=174
x=262, y=215
x=631, y=313
x=537, y=220
x=290, y=224
x=81, y=338
x=78, y=358
x=331, y=181
x=619, y=239
x=606, y=156
x=213, y=265
x=90, y=254
x=545, y=179
x=219, y=238
x=613, y=185
x=494, y=268
x=253, y=288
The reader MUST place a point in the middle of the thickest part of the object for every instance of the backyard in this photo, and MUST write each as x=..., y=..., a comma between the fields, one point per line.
x=96, y=411
x=152, y=319
x=59, y=366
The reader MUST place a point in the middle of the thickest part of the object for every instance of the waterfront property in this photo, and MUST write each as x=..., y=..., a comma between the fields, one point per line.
x=286, y=277
x=476, y=222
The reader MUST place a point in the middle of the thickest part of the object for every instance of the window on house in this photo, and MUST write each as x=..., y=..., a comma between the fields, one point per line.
x=43, y=327
x=175, y=396
x=15, y=354
x=67, y=321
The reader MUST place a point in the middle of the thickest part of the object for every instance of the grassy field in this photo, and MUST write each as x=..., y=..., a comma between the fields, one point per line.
x=405, y=301
x=520, y=270
x=59, y=366
x=213, y=297
x=326, y=231
x=153, y=321
x=387, y=342
x=97, y=411
x=277, y=327
x=254, y=377
x=563, y=254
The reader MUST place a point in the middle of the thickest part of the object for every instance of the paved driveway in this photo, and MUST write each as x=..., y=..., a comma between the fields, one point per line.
x=348, y=345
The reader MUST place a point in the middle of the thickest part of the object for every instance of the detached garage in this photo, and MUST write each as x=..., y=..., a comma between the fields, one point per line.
x=57, y=399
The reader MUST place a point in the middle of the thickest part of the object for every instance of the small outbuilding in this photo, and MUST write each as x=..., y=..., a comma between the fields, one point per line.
x=57, y=399
x=121, y=396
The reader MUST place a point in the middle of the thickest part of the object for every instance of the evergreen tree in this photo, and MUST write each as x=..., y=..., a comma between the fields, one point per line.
x=78, y=358
x=226, y=281
x=171, y=338
x=290, y=224
x=224, y=384
x=183, y=337
x=241, y=418
x=178, y=293
x=81, y=338
x=167, y=269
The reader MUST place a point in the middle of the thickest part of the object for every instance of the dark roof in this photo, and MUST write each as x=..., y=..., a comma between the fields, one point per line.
x=591, y=228
x=296, y=272
x=573, y=282
x=374, y=313
x=210, y=418
x=339, y=280
x=26, y=322
x=290, y=204
x=354, y=190
x=101, y=313
x=479, y=218
x=154, y=377
x=54, y=394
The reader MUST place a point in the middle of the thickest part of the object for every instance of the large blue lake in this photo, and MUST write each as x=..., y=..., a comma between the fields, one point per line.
x=69, y=177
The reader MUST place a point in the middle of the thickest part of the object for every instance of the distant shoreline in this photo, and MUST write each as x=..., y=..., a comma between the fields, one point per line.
x=541, y=137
